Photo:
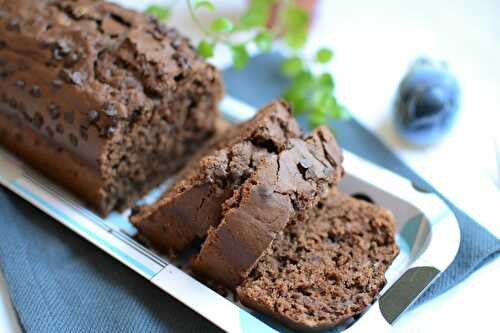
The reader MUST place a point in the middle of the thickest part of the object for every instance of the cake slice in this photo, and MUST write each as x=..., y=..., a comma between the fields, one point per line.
x=239, y=196
x=323, y=270
x=194, y=203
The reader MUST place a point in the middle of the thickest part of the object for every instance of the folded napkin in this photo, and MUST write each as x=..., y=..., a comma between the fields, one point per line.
x=61, y=283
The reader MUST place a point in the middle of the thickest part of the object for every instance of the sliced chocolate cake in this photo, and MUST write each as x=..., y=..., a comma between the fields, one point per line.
x=325, y=269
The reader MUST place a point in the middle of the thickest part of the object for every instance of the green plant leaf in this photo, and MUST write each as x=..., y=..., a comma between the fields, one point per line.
x=324, y=55
x=162, y=13
x=240, y=56
x=291, y=67
x=206, y=49
x=257, y=14
x=264, y=41
x=325, y=82
x=297, y=20
x=204, y=4
x=222, y=24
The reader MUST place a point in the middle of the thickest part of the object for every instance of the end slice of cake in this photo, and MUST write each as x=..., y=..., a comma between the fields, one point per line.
x=323, y=270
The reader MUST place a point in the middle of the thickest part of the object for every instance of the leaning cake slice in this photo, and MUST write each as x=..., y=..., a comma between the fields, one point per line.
x=323, y=270
x=243, y=192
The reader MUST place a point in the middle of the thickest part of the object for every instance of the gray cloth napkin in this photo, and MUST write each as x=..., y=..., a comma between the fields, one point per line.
x=61, y=283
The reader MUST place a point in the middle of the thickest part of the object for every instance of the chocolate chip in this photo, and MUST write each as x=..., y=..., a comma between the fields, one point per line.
x=13, y=25
x=83, y=133
x=176, y=43
x=69, y=117
x=71, y=59
x=73, y=77
x=4, y=75
x=64, y=46
x=57, y=55
x=49, y=131
x=20, y=84
x=53, y=111
x=2, y=44
x=38, y=120
x=59, y=128
x=85, y=124
x=35, y=91
x=93, y=116
x=110, y=110
x=73, y=139
x=57, y=84
x=108, y=131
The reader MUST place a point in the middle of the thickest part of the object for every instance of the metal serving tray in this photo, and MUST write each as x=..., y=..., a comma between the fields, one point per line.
x=427, y=233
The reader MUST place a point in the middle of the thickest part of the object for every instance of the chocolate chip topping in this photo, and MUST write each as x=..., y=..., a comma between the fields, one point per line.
x=110, y=110
x=38, y=120
x=83, y=133
x=53, y=111
x=20, y=84
x=71, y=59
x=35, y=91
x=93, y=116
x=73, y=139
x=13, y=25
x=77, y=78
x=2, y=44
x=110, y=131
x=56, y=84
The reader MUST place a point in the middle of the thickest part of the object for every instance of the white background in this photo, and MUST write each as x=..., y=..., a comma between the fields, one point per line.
x=374, y=42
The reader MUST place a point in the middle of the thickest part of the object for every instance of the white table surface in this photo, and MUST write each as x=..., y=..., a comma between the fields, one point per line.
x=374, y=42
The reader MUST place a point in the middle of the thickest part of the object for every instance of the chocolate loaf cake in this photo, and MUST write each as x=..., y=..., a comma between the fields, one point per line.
x=194, y=204
x=105, y=100
x=323, y=270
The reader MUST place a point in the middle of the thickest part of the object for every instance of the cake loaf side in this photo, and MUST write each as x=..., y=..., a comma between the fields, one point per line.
x=326, y=269
x=105, y=100
x=194, y=204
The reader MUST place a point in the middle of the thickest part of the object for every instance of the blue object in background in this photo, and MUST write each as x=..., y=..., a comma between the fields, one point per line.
x=427, y=104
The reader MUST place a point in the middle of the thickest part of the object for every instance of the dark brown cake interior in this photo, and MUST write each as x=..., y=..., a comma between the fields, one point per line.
x=322, y=271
